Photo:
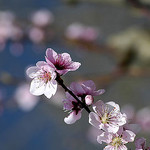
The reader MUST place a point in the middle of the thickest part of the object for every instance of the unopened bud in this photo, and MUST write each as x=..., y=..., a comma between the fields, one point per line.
x=89, y=99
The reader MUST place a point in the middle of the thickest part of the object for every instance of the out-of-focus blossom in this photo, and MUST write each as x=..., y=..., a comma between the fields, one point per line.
x=25, y=100
x=36, y=35
x=8, y=28
x=140, y=143
x=129, y=111
x=107, y=116
x=74, y=108
x=16, y=49
x=43, y=79
x=77, y=31
x=42, y=18
x=62, y=63
x=116, y=141
x=143, y=119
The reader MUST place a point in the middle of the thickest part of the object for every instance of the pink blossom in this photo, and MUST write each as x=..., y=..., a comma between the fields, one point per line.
x=74, y=108
x=143, y=119
x=107, y=116
x=62, y=63
x=25, y=100
x=116, y=141
x=43, y=79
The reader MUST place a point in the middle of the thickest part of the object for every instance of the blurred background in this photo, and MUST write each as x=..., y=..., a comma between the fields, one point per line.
x=111, y=39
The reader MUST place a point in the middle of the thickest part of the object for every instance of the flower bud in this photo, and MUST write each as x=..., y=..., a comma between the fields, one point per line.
x=89, y=99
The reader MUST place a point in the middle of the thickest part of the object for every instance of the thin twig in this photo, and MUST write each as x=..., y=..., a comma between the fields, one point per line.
x=60, y=82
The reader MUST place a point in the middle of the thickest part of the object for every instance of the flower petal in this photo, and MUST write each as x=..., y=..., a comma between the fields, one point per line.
x=40, y=64
x=72, y=118
x=114, y=105
x=99, y=107
x=105, y=137
x=77, y=88
x=51, y=55
x=50, y=89
x=37, y=87
x=66, y=57
x=31, y=71
x=74, y=66
x=94, y=120
x=128, y=136
x=99, y=92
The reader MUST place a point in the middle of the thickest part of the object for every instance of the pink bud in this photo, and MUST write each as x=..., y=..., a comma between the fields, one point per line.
x=89, y=99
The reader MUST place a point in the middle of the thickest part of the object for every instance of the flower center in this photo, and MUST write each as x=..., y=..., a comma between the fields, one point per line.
x=46, y=76
x=104, y=118
x=116, y=142
x=60, y=63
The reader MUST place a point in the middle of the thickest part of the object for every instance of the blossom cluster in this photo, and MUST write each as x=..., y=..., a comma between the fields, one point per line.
x=113, y=125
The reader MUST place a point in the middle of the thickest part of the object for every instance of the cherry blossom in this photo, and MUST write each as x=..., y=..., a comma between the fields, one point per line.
x=43, y=79
x=107, y=116
x=116, y=141
x=62, y=63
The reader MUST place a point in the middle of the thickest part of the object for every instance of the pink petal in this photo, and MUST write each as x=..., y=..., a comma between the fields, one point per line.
x=122, y=147
x=31, y=72
x=105, y=137
x=94, y=120
x=37, y=87
x=128, y=136
x=66, y=57
x=113, y=104
x=39, y=64
x=74, y=66
x=77, y=88
x=72, y=118
x=112, y=128
x=50, y=89
x=99, y=92
x=98, y=107
x=51, y=55
x=109, y=147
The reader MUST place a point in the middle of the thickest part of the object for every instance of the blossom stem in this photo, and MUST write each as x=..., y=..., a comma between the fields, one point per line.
x=60, y=82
